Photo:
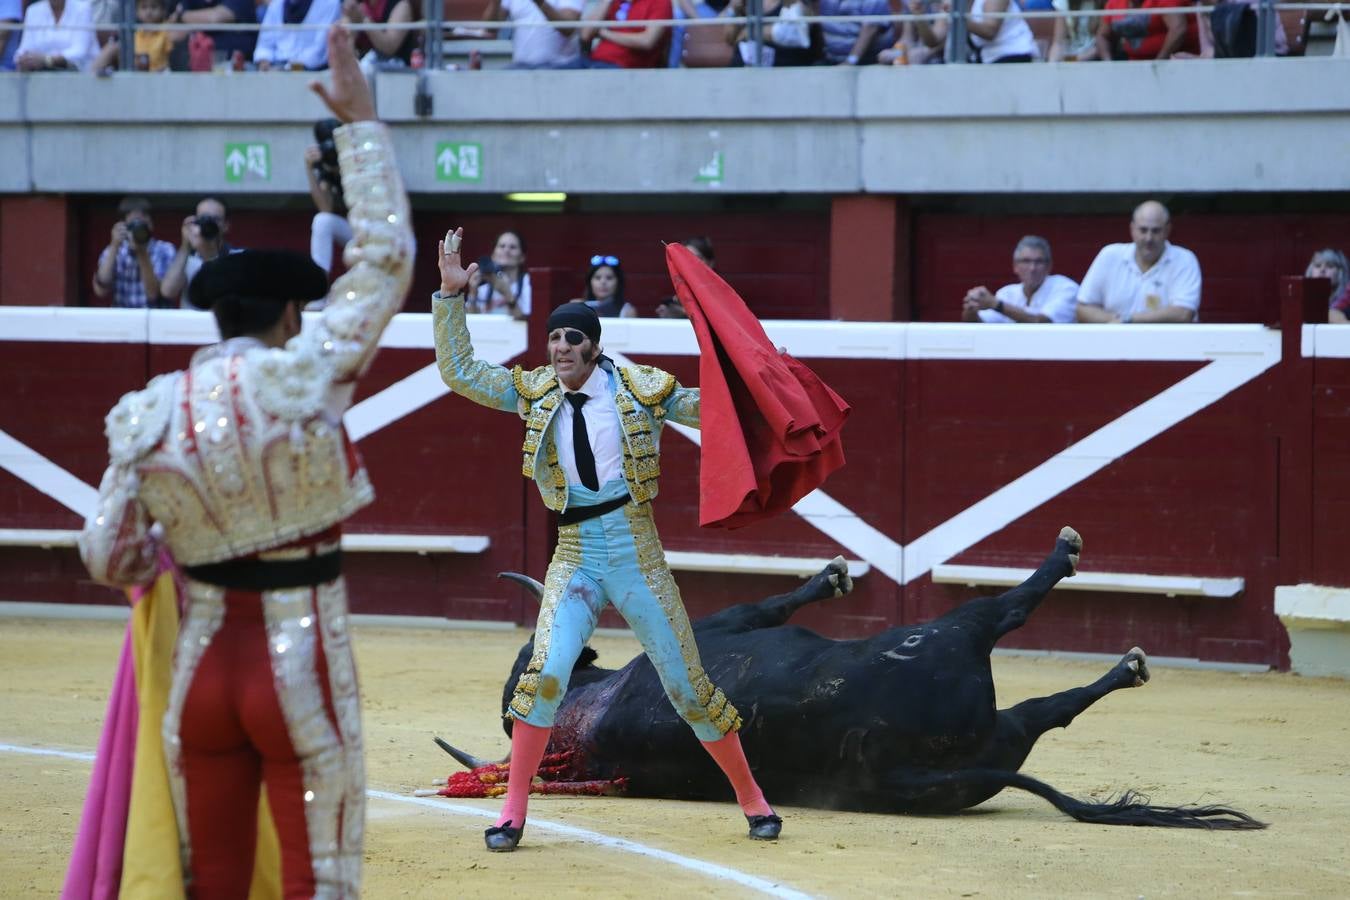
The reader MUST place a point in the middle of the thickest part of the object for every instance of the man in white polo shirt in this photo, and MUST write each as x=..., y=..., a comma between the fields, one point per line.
x=1149, y=280
x=1037, y=296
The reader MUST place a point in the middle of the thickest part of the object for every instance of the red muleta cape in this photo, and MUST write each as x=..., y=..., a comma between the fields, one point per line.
x=770, y=426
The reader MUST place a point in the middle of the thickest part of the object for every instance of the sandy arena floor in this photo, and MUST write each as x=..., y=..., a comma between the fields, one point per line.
x=1274, y=745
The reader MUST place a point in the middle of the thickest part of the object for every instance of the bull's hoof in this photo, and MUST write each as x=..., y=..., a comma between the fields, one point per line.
x=839, y=577
x=1137, y=662
x=1074, y=543
x=503, y=838
x=765, y=828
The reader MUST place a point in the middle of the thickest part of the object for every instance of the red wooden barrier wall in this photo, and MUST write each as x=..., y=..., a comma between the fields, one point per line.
x=1255, y=485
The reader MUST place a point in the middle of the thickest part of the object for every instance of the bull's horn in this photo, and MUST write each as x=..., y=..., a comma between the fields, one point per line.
x=467, y=760
x=526, y=582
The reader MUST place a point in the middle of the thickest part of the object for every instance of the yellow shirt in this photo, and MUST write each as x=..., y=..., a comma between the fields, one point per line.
x=156, y=45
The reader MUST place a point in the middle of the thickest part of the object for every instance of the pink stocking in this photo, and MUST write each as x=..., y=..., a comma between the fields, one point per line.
x=527, y=749
x=731, y=758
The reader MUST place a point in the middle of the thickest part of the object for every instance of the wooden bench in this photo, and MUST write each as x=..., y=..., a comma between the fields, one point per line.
x=351, y=542
x=1118, y=582
x=754, y=564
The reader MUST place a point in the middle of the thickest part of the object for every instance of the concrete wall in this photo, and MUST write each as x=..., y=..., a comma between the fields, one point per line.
x=1224, y=125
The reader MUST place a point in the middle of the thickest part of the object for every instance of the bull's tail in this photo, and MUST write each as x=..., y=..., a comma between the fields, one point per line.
x=1130, y=808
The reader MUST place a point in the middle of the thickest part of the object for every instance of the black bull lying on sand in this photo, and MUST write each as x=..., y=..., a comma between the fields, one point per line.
x=902, y=722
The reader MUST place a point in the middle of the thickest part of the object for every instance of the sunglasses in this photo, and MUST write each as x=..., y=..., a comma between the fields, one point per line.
x=598, y=260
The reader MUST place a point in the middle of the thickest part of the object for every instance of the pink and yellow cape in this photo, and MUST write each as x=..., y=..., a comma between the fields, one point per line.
x=127, y=844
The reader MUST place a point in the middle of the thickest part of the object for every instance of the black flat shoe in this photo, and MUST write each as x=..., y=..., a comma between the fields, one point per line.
x=764, y=828
x=504, y=838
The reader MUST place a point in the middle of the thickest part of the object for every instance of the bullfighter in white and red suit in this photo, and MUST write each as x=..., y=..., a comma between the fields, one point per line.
x=241, y=468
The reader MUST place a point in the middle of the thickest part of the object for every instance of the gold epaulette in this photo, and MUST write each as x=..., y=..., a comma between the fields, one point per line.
x=535, y=383
x=648, y=384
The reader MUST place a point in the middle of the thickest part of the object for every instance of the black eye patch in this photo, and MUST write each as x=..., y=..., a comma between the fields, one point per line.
x=574, y=337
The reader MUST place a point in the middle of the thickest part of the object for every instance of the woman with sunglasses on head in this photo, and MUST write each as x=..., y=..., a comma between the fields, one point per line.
x=605, y=289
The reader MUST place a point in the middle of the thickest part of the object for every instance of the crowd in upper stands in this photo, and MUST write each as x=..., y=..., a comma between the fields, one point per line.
x=553, y=34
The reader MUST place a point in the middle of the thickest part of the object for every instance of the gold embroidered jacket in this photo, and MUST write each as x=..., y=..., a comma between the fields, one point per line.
x=245, y=450
x=645, y=397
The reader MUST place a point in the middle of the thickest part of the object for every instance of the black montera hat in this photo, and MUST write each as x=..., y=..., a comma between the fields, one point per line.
x=280, y=275
x=578, y=315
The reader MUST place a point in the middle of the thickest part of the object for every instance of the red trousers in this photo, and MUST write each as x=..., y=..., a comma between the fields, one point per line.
x=265, y=693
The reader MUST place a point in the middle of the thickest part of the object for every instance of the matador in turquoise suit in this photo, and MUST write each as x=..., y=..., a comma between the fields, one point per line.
x=592, y=445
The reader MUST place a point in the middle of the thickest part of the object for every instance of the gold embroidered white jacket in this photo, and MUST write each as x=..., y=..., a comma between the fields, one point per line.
x=646, y=397
x=245, y=449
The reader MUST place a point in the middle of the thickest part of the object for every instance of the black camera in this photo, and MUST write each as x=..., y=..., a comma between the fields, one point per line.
x=323, y=136
x=208, y=227
x=140, y=231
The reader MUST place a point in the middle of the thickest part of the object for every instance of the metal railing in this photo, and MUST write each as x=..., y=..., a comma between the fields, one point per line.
x=957, y=16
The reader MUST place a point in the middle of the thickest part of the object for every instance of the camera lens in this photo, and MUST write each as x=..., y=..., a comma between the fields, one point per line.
x=140, y=232
x=209, y=227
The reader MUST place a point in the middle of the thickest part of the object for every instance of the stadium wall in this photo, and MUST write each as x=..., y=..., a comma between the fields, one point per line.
x=1221, y=125
x=1204, y=466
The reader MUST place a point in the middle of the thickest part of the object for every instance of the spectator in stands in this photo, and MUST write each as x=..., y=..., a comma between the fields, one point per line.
x=1339, y=314
x=692, y=9
x=855, y=43
x=57, y=35
x=381, y=49
x=1000, y=40
x=605, y=289
x=535, y=45
x=1331, y=264
x=224, y=44
x=151, y=50
x=928, y=42
x=11, y=13
x=285, y=48
x=203, y=239
x=701, y=247
x=1037, y=296
x=330, y=224
x=1210, y=47
x=930, y=32
x=787, y=41
x=1149, y=280
x=636, y=47
x=505, y=285
x=1140, y=35
x=131, y=266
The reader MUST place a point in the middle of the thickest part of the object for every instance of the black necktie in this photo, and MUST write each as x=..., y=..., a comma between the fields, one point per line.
x=581, y=443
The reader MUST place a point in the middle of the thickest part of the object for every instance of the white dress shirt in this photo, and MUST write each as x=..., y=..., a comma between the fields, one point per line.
x=307, y=47
x=540, y=44
x=1056, y=299
x=602, y=427
x=1114, y=281
x=72, y=38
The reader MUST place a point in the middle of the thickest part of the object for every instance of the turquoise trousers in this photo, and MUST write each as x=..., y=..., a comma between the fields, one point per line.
x=616, y=558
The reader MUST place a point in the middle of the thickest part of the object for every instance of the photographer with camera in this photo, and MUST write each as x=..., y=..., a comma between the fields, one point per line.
x=131, y=266
x=504, y=288
x=325, y=187
x=203, y=239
